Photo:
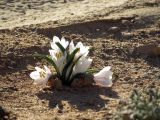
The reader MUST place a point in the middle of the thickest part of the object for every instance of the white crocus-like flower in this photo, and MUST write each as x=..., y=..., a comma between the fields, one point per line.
x=41, y=76
x=82, y=65
x=63, y=42
x=104, y=77
x=83, y=50
x=59, y=59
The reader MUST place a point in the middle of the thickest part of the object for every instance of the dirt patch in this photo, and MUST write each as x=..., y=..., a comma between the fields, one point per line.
x=113, y=40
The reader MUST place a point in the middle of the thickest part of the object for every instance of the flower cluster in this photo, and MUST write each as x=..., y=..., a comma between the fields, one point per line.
x=69, y=60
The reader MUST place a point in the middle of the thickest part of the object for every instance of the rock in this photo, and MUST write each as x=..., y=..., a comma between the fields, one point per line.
x=127, y=35
x=114, y=29
x=150, y=50
x=83, y=80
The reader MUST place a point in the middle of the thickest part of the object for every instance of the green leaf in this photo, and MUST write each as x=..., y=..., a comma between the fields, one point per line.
x=49, y=60
x=70, y=72
x=61, y=47
x=69, y=62
x=72, y=55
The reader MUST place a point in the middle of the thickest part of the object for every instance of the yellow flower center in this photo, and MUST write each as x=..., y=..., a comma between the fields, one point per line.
x=42, y=74
x=59, y=54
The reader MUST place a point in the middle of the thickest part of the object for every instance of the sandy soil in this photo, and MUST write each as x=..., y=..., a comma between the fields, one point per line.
x=25, y=12
x=115, y=29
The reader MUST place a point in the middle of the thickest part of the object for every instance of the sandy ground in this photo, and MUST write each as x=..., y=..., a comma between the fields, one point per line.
x=115, y=29
x=25, y=12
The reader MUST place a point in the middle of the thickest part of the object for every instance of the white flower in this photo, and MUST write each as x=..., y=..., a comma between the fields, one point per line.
x=104, y=77
x=82, y=65
x=63, y=42
x=59, y=59
x=41, y=76
x=83, y=50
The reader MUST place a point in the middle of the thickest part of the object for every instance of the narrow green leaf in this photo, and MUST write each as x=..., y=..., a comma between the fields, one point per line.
x=70, y=72
x=60, y=47
x=69, y=62
x=71, y=56
x=49, y=60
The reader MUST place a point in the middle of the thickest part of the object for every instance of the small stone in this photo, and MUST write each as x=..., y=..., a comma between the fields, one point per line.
x=127, y=35
x=114, y=29
x=97, y=30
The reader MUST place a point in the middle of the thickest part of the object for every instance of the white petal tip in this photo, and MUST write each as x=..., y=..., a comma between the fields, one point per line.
x=105, y=83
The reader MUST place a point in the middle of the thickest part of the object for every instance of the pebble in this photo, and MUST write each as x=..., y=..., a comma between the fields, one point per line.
x=114, y=29
x=127, y=35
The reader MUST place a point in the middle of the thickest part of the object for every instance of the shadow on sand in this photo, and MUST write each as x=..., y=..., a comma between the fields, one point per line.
x=93, y=97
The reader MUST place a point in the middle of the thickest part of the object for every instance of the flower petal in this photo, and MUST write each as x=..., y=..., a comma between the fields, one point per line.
x=103, y=82
x=41, y=76
x=56, y=39
x=53, y=44
x=82, y=65
x=53, y=54
x=39, y=69
x=37, y=79
x=48, y=71
x=64, y=43
x=71, y=47
x=104, y=77
x=84, y=50
x=35, y=75
x=104, y=72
